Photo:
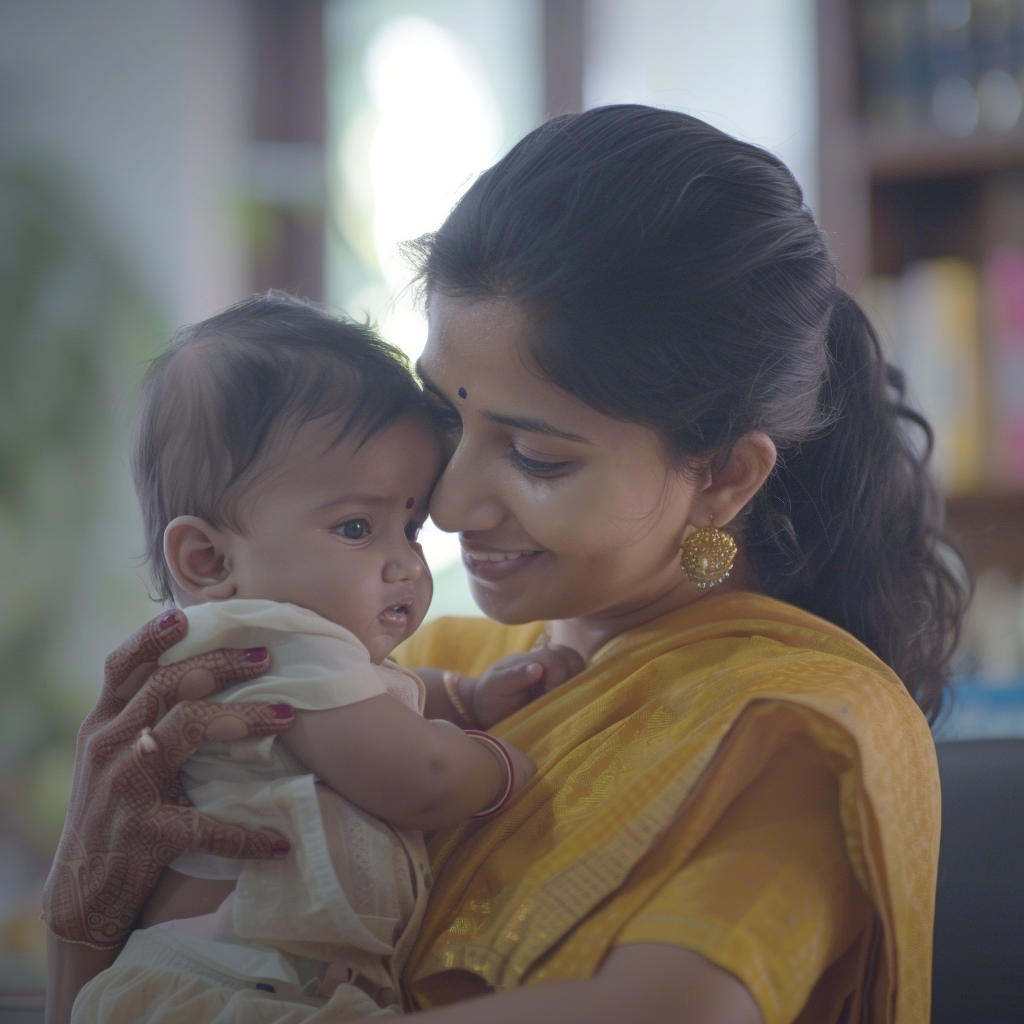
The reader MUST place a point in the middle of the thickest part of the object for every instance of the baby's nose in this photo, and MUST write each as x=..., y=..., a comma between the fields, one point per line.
x=405, y=567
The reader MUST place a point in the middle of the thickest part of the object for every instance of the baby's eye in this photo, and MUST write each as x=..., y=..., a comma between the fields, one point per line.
x=353, y=529
x=412, y=531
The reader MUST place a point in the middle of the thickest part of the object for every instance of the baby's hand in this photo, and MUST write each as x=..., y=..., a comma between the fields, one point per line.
x=513, y=682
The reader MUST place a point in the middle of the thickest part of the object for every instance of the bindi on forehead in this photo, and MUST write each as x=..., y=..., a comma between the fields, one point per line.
x=410, y=503
x=463, y=393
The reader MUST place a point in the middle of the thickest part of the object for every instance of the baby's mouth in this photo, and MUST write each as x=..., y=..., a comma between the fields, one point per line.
x=396, y=614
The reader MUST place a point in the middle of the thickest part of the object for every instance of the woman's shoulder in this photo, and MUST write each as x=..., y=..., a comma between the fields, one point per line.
x=467, y=644
x=739, y=647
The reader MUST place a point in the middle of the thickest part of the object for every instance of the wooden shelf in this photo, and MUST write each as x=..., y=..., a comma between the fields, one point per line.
x=992, y=501
x=916, y=155
x=990, y=525
x=890, y=197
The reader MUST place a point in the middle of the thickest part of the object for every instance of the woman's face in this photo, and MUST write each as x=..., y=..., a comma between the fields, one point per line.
x=564, y=512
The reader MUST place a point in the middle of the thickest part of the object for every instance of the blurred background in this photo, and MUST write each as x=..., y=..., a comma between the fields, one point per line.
x=161, y=159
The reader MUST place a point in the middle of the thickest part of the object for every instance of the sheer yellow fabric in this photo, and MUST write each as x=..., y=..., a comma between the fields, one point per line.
x=646, y=819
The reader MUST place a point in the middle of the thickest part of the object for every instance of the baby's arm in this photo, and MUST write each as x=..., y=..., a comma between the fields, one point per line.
x=391, y=762
x=509, y=684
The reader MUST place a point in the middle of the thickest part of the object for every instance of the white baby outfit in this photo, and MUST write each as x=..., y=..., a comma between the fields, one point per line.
x=350, y=893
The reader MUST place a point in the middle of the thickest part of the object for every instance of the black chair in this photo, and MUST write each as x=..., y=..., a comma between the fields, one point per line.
x=978, y=973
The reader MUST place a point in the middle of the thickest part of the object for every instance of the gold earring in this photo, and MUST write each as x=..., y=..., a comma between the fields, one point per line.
x=707, y=556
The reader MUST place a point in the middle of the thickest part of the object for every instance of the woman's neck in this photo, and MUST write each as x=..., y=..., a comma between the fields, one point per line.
x=588, y=634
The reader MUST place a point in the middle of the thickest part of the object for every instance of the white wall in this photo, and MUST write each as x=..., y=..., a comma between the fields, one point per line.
x=142, y=106
x=143, y=102
x=746, y=66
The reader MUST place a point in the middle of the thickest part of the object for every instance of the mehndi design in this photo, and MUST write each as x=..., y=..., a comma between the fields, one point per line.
x=109, y=859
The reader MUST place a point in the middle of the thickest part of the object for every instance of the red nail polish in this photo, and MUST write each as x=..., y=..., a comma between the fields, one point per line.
x=256, y=654
x=166, y=621
x=281, y=710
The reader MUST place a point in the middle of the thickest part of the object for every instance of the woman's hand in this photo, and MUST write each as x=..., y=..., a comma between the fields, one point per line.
x=128, y=817
x=647, y=982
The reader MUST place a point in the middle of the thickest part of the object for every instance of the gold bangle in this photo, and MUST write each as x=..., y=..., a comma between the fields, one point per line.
x=451, y=681
x=498, y=749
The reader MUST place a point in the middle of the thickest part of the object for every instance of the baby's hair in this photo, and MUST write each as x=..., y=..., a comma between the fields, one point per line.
x=209, y=404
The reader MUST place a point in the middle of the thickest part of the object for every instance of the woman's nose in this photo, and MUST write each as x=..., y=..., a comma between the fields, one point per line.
x=463, y=498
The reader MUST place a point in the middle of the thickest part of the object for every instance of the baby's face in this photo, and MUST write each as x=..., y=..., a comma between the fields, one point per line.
x=333, y=529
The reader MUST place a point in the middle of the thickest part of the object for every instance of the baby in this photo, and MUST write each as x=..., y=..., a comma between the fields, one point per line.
x=284, y=462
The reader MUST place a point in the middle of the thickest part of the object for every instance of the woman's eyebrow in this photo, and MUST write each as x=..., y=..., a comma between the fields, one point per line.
x=527, y=423
x=355, y=499
x=535, y=426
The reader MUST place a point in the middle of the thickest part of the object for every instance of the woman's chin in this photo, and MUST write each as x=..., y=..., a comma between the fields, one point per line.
x=510, y=605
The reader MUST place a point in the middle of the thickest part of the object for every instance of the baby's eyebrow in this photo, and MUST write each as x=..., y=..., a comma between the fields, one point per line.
x=358, y=498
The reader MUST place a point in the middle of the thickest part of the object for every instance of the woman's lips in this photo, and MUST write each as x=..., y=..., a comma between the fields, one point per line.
x=493, y=565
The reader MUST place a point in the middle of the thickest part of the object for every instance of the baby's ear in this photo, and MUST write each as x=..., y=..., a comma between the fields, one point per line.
x=197, y=555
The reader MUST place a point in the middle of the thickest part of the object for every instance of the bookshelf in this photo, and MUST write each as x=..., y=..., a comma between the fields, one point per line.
x=919, y=214
x=892, y=195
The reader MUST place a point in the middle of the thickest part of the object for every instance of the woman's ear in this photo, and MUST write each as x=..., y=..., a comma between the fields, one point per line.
x=198, y=556
x=729, y=489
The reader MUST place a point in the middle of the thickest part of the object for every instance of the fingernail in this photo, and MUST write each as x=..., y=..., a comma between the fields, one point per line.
x=166, y=621
x=281, y=710
x=281, y=848
x=255, y=654
x=533, y=668
x=145, y=742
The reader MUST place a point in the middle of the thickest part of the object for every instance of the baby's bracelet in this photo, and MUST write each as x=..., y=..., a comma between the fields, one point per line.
x=510, y=787
x=450, y=681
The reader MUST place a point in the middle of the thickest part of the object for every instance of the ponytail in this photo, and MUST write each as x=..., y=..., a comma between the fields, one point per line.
x=849, y=526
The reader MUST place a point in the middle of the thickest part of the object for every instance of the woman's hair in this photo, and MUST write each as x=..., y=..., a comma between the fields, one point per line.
x=677, y=280
x=209, y=405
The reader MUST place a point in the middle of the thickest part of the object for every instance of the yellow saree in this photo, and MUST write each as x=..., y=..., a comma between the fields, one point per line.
x=661, y=812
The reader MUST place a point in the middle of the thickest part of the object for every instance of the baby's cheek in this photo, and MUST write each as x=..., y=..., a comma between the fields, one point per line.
x=424, y=594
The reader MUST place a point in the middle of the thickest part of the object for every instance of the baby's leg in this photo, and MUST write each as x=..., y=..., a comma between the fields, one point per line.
x=177, y=896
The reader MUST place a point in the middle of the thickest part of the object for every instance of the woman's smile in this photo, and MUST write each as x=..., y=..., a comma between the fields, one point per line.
x=492, y=564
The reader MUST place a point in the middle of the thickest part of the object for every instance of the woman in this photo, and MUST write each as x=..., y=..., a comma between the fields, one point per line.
x=635, y=334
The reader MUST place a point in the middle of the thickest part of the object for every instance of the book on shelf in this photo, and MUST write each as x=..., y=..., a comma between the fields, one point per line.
x=987, y=696
x=992, y=647
x=1004, y=287
x=949, y=64
x=928, y=319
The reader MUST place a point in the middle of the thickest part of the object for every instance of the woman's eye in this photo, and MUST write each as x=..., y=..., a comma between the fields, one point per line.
x=412, y=531
x=536, y=467
x=353, y=529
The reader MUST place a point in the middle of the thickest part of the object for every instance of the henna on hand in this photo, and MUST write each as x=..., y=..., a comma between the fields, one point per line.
x=128, y=816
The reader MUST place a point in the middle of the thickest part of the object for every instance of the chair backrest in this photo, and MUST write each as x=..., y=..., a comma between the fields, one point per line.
x=978, y=972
